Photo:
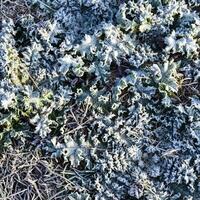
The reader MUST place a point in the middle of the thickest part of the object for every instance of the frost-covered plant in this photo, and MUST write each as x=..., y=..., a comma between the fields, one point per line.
x=110, y=89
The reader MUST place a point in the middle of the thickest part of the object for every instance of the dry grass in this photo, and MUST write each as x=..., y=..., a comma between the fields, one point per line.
x=16, y=9
x=187, y=89
x=13, y=9
x=33, y=177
